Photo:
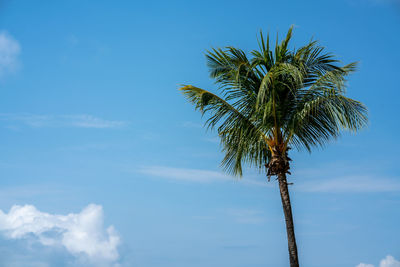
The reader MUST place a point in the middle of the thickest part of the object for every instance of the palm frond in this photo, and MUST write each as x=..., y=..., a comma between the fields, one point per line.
x=276, y=96
x=234, y=127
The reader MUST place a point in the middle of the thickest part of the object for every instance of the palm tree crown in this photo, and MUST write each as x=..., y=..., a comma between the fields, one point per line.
x=277, y=99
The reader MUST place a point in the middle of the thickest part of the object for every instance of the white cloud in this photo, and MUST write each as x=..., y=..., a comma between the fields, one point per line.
x=78, y=121
x=347, y=184
x=389, y=261
x=9, y=52
x=81, y=234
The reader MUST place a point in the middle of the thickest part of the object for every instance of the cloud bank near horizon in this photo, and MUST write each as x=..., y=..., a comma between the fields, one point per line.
x=81, y=234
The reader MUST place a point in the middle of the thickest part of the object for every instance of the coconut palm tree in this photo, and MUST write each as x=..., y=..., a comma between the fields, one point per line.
x=274, y=100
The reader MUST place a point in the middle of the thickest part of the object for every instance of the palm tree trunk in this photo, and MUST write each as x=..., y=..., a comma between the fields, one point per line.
x=287, y=209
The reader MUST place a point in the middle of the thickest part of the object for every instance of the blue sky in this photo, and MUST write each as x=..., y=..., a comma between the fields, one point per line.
x=104, y=163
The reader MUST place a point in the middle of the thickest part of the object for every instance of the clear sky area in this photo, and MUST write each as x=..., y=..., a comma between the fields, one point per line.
x=104, y=163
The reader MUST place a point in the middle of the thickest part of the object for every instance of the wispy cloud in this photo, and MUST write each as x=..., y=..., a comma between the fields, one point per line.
x=193, y=175
x=196, y=175
x=246, y=216
x=190, y=124
x=393, y=4
x=347, y=184
x=78, y=120
x=345, y=177
x=311, y=180
x=9, y=52
x=81, y=234
x=389, y=261
x=385, y=1
x=86, y=147
x=214, y=140
x=72, y=40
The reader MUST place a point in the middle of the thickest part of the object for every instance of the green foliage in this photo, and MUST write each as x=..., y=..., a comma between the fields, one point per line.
x=291, y=97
